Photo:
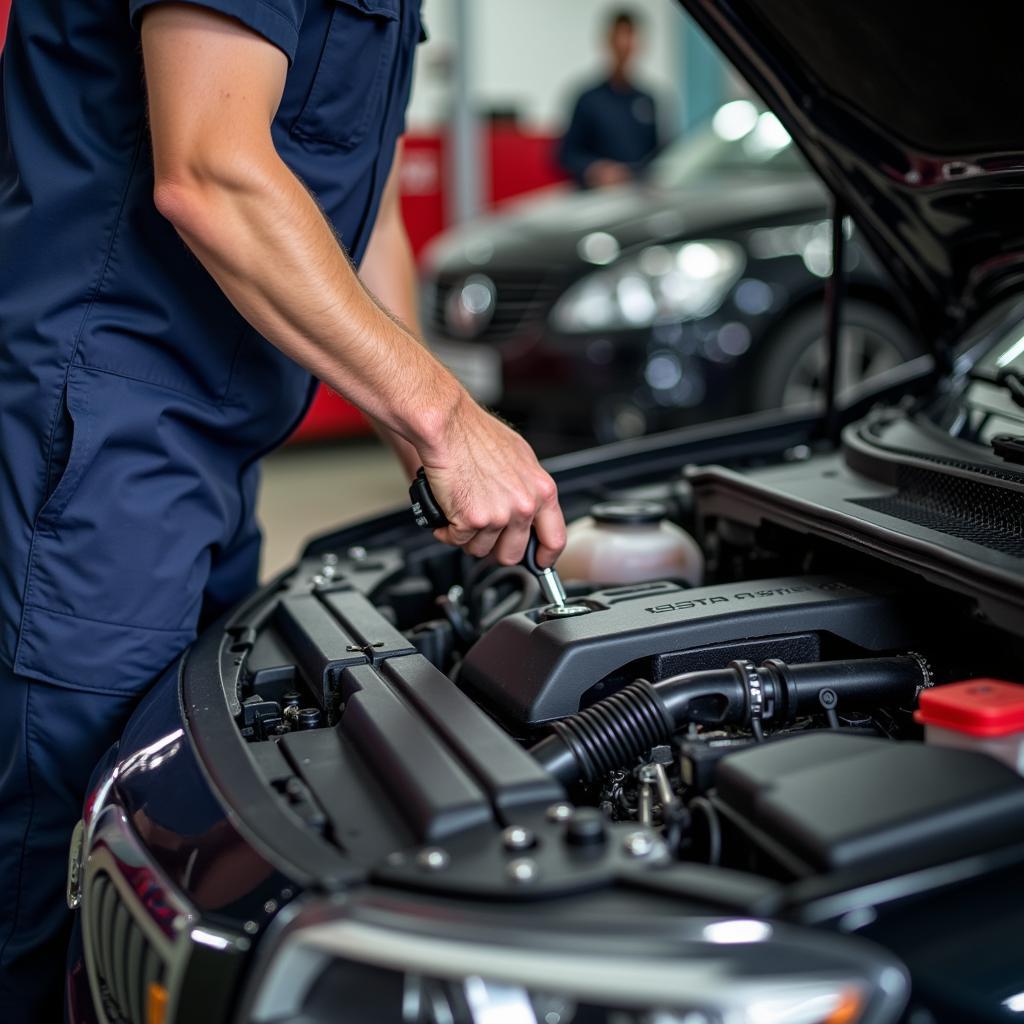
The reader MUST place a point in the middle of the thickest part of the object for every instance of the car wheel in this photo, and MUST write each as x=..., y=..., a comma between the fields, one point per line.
x=791, y=369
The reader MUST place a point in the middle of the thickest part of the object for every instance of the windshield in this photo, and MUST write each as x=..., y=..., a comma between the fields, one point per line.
x=740, y=138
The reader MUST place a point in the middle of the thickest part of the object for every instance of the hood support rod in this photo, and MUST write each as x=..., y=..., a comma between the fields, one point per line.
x=834, y=294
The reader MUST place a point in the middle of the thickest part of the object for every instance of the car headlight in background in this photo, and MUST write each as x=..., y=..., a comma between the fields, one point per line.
x=711, y=971
x=659, y=284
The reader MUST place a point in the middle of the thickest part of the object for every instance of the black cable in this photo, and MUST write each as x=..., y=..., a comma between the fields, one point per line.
x=703, y=804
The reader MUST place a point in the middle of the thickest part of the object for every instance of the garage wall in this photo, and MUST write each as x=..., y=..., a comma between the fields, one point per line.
x=535, y=55
x=530, y=54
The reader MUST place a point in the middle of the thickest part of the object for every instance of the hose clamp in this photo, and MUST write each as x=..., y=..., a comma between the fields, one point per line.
x=927, y=675
x=758, y=707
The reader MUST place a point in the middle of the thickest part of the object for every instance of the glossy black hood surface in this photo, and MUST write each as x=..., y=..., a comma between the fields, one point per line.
x=912, y=114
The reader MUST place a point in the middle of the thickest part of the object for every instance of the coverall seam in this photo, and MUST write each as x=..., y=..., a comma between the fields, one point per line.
x=287, y=18
x=103, y=691
x=107, y=622
x=225, y=400
x=93, y=295
x=205, y=402
x=28, y=826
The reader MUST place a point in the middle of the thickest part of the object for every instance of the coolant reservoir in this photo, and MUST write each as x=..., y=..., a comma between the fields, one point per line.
x=629, y=542
x=979, y=714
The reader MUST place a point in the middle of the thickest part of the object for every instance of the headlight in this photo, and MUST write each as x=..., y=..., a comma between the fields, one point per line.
x=662, y=283
x=735, y=971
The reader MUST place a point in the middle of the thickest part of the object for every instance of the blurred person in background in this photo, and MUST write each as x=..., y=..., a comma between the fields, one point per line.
x=614, y=126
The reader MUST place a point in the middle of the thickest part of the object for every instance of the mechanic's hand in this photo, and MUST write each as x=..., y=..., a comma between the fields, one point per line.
x=491, y=487
x=605, y=173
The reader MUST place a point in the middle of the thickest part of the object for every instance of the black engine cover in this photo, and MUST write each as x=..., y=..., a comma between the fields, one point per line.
x=528, y=671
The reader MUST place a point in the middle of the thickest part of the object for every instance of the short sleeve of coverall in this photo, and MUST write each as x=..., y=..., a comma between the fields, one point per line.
x=276, y=20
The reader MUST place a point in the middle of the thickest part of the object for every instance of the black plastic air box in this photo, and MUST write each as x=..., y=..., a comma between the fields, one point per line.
x=826, y=801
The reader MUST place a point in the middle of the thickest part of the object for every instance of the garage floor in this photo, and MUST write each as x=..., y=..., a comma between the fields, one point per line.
x=307, y=490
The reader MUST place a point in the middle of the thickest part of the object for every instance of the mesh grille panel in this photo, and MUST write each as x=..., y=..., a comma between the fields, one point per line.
x=983, y=514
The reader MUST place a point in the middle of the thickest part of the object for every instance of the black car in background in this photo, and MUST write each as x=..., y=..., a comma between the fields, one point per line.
x=693, y=295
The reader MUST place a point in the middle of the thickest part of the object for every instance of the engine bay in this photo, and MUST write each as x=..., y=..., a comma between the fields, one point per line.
x=759, y=713
x=785, y=662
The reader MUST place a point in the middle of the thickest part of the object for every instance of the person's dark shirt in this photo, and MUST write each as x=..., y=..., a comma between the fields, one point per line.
x=609, y=122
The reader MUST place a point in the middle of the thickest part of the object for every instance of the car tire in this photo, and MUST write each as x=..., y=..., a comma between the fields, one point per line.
x=790, y=370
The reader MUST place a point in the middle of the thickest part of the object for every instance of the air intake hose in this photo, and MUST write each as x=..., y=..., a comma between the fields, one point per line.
x=614, y=732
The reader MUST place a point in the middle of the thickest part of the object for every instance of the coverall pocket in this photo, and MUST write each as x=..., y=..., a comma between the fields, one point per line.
x=351, y=79
x=64, y=462
x=122, y=548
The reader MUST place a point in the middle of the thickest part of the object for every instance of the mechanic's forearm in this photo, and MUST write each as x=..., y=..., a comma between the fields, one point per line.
x=263, y=239
x=388, y=271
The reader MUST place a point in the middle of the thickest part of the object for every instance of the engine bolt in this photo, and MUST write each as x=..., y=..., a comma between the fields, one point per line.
x=357, y=553
x=328, y=571
x=522, y=871
x=329, y=559
x=586, y=828
x=433, y=858
x=559, y=812
x=639, y=844
x=516, y=837
x=318, y=580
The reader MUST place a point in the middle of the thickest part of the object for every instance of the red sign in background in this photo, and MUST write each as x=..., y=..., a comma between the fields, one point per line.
x=519, y=162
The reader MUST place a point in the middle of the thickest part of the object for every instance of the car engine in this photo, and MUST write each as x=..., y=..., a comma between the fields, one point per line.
x=759, y=709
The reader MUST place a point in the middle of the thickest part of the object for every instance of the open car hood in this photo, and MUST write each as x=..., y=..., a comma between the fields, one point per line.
x=912, y=115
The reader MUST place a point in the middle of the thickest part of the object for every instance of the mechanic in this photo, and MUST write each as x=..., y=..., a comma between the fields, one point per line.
x=144, y=378
x=613, y=131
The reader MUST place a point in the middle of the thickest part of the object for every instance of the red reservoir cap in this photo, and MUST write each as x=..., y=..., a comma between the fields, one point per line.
x=978, y=707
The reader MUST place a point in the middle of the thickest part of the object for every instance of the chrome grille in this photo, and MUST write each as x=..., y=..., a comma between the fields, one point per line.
x=125, y=961
x=520, y=300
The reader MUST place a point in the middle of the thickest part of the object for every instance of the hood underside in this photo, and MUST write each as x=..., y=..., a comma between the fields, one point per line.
x=912, y=116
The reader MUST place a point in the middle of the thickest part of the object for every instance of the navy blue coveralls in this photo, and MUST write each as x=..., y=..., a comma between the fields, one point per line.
x=610, y=122
x=135, y=401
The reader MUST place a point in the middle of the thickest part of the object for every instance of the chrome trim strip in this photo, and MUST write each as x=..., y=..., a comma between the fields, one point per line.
x=720, y=962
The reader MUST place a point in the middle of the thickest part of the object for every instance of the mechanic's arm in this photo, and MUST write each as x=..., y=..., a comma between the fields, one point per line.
x=389, y=272
x=214, y=87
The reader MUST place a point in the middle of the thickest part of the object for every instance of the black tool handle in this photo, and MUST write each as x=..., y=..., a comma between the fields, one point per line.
x=425, y=509
x=530, y=558
x=429, y=516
